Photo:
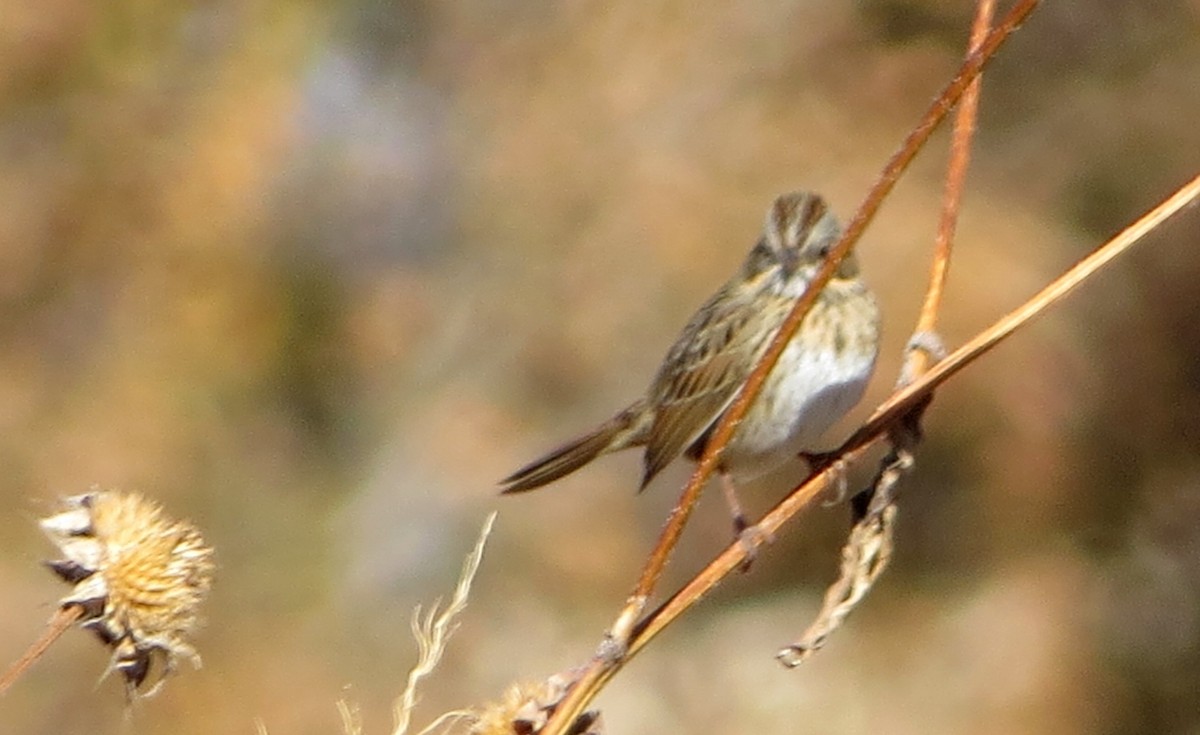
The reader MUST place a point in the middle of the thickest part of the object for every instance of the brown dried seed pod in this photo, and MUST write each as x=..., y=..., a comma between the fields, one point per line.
x=139, y=578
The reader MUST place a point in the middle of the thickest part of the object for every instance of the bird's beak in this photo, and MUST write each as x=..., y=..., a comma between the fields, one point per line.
x=790, y=261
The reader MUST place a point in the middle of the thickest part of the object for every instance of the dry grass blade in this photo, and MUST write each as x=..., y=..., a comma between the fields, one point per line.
x=351, y=717
x=433, y=631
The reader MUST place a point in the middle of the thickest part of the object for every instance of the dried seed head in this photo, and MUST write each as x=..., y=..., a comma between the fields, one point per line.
x=525, y=709
x=139, y=578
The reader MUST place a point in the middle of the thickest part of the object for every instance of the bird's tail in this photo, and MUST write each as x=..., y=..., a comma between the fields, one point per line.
x=626, y=429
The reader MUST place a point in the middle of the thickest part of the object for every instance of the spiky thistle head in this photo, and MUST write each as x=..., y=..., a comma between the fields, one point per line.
x=139, y=578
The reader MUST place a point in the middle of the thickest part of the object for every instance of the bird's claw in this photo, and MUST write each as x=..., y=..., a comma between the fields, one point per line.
x=750, y=538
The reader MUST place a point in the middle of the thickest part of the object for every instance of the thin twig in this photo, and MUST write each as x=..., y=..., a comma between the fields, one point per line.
x=62, y=620
x=918, y=361
x=898, y=405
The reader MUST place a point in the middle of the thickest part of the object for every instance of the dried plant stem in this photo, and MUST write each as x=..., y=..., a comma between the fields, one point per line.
x=619, y=641
x=868, y=548
x=63, y=619
x=903, y=401
x=918, y=361
x=937, y=111
x=865, y=556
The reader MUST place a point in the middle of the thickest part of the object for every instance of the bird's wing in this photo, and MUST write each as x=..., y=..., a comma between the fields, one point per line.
x=702, y=373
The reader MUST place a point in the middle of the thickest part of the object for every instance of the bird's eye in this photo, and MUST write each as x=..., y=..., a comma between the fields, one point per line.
x=823, y=253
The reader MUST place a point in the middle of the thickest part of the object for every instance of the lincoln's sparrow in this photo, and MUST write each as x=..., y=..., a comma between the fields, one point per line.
x=820, y=375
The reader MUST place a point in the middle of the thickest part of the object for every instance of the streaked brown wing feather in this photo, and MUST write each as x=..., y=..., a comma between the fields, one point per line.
x=702, y=373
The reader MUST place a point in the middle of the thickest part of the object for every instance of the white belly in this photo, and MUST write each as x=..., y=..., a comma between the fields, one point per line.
x=810, y=388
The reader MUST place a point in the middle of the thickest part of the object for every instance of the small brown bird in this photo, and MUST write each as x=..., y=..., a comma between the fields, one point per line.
x=819, y=377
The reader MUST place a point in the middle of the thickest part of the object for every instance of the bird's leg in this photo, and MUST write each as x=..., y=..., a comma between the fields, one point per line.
x=735, y=505
x=750, y=537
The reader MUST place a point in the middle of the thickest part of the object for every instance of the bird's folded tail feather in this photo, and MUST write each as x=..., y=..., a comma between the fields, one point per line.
x=627, y=429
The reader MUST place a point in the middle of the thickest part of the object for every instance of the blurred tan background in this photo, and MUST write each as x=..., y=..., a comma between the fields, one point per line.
x=316, y=275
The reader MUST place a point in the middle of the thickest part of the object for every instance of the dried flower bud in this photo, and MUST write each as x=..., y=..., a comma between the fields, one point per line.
x=139, y=578
x=526, y=708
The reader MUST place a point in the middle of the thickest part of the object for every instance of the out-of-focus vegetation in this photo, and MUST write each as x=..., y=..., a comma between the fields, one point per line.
x=315, y=275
